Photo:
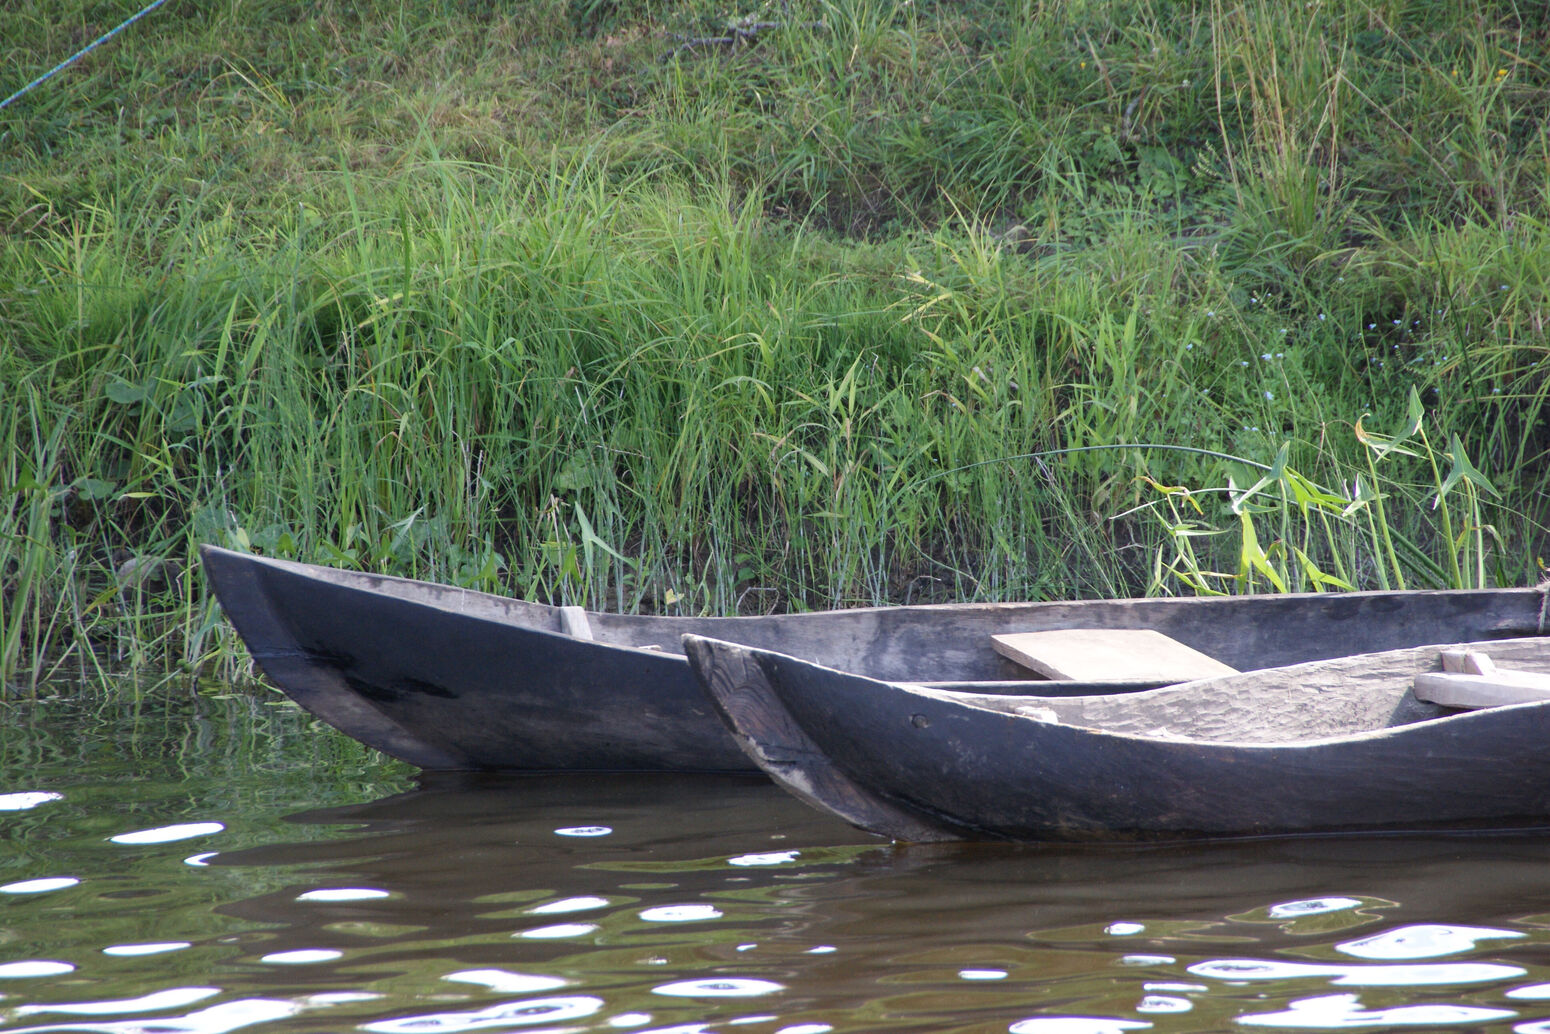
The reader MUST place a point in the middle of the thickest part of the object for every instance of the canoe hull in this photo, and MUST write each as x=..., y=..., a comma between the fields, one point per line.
x=447, y=678
x=452, y=690
x=919, y=766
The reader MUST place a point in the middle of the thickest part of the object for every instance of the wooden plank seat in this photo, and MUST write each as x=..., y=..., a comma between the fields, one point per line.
x=1108, y=655
x=1470, y=680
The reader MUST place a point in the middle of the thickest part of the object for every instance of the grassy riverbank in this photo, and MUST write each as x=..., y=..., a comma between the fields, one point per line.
x=571, y=301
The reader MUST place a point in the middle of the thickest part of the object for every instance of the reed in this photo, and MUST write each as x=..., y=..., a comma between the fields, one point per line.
x=887, y=303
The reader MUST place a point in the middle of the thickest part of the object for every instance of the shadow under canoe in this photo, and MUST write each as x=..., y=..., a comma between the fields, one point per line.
x=449, y=678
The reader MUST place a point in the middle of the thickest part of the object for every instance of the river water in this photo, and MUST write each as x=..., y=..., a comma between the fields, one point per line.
x=195, y=864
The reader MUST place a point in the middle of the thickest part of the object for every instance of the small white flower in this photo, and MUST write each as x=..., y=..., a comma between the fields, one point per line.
x=1270, y=395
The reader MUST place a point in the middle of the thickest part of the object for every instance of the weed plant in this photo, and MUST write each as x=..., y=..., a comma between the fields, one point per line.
x=878, y=301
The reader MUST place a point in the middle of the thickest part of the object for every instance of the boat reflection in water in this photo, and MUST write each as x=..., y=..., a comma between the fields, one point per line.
x=688, y=904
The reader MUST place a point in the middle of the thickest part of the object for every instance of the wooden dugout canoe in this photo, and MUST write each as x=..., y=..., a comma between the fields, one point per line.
x=1324, y=746
x=448, y=678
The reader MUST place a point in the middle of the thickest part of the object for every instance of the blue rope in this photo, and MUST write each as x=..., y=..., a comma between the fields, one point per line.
x=73, y=58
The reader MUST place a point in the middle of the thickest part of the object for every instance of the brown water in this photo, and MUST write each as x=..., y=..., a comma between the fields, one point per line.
x=202, y=866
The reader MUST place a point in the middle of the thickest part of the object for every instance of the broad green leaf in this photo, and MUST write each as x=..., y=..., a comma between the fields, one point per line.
x=577, y=472
x=1305, y=493
x=1463, y=470
x=1253, y=556
x=1380, y=444
x=94, y=489
x=1320, y=579
x=1272, y=476
x=330, y=553
x=27, y=481
x=590, y=540
x=126, y=394
x=1415, y=415
x=1362, y=494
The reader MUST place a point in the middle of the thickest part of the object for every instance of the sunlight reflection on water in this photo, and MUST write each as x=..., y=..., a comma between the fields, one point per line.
x=169, y=834
x=707, y=904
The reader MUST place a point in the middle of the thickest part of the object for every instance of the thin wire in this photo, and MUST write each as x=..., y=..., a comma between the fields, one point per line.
x=93, y=45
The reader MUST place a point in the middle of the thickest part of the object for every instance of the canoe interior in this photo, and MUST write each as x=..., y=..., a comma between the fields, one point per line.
x=1340, y=697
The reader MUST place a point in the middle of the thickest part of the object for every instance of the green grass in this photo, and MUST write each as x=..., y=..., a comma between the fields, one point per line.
x=534, y=298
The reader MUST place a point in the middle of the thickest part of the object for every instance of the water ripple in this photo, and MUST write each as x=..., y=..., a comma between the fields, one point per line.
x=982, y=974
x=218, y=1019
x=1423, y=941
x=302, y=956
x=169, y=834
x=1164, y=1004
x=40, y=886
x=508, y=1014
x=34, y=968
x=1312, y=907
x=1421, y=975
x=171, y=998
x=505, y=981
x=1345, y=1012
x=718, y=987
x=559, y=931
x=1075, y=1025
x=156, y=948
x=680, y=913
x=576, y=904
x=342, y=894
x=765, y=858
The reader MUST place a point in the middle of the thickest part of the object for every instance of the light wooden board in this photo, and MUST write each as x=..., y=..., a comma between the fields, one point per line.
x=1456, y=689
x=573, y=622
x=1108, y=654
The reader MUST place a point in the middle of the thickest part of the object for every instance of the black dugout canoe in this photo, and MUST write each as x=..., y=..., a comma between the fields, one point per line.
x=448, y=678
x=1325, y=746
